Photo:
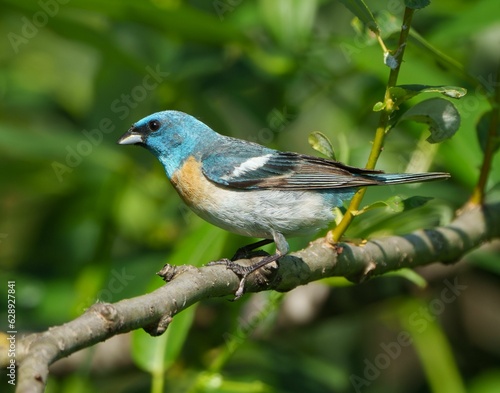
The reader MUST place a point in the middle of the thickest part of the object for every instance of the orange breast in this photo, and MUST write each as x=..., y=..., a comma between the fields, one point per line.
x=192, y=185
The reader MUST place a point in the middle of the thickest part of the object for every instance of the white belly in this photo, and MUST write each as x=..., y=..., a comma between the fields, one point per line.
x=260, y=213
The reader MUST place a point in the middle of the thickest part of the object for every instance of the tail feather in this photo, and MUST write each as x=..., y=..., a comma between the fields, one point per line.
x=400, y=178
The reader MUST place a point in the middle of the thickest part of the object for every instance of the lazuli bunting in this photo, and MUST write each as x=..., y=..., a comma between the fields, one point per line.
x=250, y=189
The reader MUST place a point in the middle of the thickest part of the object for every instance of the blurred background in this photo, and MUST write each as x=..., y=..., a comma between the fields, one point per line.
x=86, y=220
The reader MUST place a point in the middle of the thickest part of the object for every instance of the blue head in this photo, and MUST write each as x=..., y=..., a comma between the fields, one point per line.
x=172, y=137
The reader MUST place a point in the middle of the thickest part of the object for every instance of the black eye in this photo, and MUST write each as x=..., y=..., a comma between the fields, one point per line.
x=154, y=125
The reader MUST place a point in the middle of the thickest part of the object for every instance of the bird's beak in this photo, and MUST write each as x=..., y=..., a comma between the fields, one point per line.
x=131, y=137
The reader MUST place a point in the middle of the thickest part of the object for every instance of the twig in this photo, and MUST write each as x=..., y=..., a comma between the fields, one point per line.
x=477, y=196
x=383, y=125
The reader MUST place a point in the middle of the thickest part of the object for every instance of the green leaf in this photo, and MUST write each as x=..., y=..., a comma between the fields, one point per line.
x=483, y=129
x=371, y=206
x=431, y=344
x=322, y=144
x=290, y=21
x=411, y=275
x=415, y=201
x=417, y=4
x=378, y=106
x=403, y=93
x=336, y=282
x=361, y=11
x=441, y=116
x=396, y=204
x=203, y=245
x=156, y=354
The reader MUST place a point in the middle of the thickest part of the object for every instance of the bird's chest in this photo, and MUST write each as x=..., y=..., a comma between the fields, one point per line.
x=193, y=187
x=216, y=204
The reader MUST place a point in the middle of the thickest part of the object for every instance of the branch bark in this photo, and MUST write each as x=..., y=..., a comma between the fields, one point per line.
x=188, y=285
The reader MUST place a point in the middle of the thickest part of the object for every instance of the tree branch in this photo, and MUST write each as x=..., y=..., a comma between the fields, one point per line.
x=188, y=285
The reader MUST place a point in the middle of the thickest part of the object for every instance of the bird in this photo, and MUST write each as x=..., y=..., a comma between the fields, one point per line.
x=249, y=189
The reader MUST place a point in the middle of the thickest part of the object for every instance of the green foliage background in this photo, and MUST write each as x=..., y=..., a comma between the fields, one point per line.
x=83, y=219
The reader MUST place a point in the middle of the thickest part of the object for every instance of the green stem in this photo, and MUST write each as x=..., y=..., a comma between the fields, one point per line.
x=477, y=197
x=382, y=128
x=157, y=382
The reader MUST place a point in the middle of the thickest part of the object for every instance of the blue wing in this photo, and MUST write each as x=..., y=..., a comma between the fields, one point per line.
x=244, y=165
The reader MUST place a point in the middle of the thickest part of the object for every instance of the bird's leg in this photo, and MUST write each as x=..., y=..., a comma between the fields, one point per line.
x=245, y=251
x=245, y=271
x=241, y=253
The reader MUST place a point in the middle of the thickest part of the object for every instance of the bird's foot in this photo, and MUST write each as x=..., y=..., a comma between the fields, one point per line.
x=243, y=271
x=239, y=270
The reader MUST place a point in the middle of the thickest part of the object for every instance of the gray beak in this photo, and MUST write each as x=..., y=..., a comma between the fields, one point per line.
x=130, y=138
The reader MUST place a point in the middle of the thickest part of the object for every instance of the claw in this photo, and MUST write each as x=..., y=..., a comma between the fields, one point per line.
x=244, y=271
